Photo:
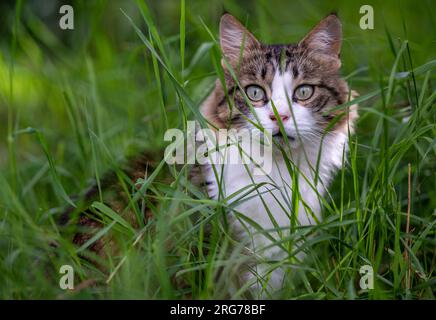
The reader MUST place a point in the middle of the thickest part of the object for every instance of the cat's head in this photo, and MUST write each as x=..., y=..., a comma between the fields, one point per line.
x=301, y=81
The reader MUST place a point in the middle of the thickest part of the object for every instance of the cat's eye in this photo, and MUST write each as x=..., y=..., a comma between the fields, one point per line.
x=303, y=92
x=255, y=93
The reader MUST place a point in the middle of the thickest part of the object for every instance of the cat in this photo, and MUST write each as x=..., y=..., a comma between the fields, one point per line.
x=302, y=82
x=296, y=86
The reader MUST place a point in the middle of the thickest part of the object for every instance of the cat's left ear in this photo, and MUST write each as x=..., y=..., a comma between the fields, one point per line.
x=235, y=39
x=325, y=38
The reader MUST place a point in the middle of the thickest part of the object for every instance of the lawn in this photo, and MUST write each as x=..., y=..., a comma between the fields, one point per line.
x=75, y=104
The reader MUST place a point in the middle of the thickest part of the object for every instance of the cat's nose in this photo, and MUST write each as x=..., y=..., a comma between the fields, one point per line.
x=283, y=117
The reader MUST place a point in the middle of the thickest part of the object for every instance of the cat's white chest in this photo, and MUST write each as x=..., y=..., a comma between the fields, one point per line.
x=268, y=198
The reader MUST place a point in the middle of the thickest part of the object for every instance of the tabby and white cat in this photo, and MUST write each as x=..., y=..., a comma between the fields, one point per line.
x=301, y=81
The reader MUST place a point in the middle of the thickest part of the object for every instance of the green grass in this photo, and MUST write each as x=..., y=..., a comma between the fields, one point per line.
x=75, y=104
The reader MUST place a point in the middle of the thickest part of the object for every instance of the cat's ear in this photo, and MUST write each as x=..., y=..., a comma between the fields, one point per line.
x=325, y=37
x=235, y=38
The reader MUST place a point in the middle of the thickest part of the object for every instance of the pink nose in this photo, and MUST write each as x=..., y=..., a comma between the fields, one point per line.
x=283, y=117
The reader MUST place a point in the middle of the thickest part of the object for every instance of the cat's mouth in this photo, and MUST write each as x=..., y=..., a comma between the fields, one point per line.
x=280, y=135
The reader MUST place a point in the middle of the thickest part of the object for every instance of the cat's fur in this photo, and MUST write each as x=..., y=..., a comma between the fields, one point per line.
x=279, y=69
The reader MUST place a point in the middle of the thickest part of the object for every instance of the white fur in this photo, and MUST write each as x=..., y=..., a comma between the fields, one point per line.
x=277, y=193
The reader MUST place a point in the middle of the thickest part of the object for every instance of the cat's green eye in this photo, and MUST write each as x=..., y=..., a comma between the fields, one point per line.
x=255, y=93
x=303, y=92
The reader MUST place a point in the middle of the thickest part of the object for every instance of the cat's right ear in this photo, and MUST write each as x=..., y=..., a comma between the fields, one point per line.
x=325, y=39
x=235, y=39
